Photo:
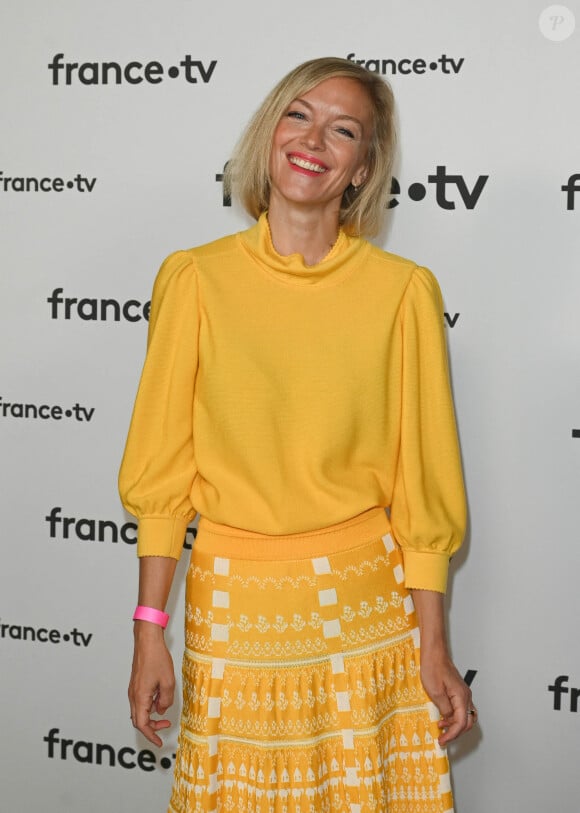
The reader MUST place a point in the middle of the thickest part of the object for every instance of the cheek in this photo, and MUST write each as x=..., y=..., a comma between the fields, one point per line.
x=351, y=160
x=361, y=157
x=276, y=161
x=275, y=155
x=281, y=134
x=277, y=140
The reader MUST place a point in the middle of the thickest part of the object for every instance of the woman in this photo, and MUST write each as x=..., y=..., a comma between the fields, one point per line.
x=296, y=394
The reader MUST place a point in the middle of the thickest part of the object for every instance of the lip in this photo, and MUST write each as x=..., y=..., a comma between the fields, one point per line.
x=311, y=159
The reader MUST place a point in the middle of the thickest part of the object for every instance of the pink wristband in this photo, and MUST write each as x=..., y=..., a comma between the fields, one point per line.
x=151, y=614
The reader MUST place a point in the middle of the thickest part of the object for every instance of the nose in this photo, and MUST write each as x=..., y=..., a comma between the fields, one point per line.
x=313, y=138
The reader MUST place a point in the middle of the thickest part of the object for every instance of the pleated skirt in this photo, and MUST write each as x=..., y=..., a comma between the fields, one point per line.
x=301, y=686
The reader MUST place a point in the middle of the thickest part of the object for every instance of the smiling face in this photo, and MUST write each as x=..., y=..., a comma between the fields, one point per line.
x=320, y=145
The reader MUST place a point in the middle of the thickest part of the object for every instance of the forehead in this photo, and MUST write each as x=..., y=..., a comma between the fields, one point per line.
x=341, y=94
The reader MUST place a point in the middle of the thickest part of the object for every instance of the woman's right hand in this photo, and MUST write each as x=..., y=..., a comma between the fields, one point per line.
x=152, y=683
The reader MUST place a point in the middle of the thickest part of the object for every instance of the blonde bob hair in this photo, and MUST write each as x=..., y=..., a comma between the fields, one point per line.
x=247, y=173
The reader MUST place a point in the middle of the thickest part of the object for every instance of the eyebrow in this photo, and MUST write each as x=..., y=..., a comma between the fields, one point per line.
x=340, y=115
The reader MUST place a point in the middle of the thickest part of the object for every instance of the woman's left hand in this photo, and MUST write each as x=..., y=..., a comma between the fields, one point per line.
x=449, y=692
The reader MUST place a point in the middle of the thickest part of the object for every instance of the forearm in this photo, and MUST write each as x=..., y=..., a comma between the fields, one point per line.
x=429, y=606
x=155, y=579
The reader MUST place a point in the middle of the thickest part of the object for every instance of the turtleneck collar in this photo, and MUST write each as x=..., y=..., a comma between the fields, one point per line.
x=339, y=262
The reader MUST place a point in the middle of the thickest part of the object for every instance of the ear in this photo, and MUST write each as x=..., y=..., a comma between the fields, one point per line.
x=360, y=176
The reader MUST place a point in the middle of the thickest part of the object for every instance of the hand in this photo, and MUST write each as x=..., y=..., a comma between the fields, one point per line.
x=450, y=693
x=152, y=683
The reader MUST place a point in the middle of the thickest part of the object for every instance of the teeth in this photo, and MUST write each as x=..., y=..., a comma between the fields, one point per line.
x=304, y=164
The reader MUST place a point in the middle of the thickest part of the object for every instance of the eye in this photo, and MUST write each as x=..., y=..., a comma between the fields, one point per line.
x=346, y=132
x=295, y=114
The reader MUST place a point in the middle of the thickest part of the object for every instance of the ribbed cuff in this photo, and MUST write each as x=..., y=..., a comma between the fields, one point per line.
x=161, y=536
x=426, y=571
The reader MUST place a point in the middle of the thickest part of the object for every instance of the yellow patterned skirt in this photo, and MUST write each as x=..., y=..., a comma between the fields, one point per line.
x=301, y=677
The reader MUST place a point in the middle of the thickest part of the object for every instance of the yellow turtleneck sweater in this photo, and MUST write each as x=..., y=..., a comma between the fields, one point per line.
x=278, y=397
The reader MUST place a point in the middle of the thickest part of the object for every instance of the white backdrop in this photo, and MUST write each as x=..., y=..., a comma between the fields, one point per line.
x=498, y=114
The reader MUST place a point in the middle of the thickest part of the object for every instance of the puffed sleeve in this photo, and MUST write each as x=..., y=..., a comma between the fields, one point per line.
x=428, y=511
x=158, y=465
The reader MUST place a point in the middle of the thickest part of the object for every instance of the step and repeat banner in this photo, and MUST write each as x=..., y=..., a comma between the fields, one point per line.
x=118, y=120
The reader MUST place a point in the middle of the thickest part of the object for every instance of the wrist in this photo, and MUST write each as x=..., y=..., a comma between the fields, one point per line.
x=143, y=631
x=434, y=648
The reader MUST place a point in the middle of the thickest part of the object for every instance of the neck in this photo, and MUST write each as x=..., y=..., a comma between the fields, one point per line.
x=311, y=233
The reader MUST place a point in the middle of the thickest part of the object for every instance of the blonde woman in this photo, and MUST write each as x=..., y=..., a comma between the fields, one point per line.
x=295, y=393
